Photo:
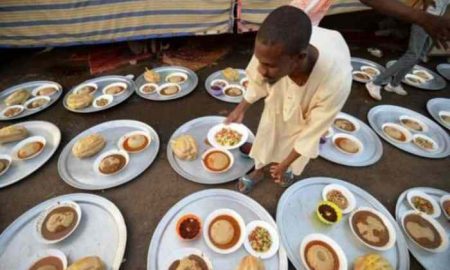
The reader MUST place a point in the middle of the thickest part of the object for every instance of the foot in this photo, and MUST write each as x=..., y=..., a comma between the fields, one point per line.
x=246, y=183
x=374, y=90
x=288, y=179
x=396, y=89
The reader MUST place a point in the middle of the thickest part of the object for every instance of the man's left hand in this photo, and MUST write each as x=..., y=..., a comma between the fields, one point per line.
x=277, y=172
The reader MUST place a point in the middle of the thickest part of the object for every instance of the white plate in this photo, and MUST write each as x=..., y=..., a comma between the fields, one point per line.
x=273, y=235
x=163, y=86
x=55, y=86
x=120, y=84
x=356, y=72
x=9, y=159
x=208, y=221
x=179, y=254
x=177, y=74
x=348, y=118
x=21, y=169
x=132, y=133
x=20, y=107
x=46, y=212
x=343, y=265
x=154, y=85
x=79, y=87
x=109, y=98
x=99, y=159
x=444, y=245
x=386, y=222
x=347, y=194
x=228, y=153
x=413, y=193
x=240, y=87
x=47, y=99
x=240, y=128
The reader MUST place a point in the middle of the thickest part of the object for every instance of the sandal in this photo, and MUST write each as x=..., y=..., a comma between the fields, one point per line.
x=288, y=179
x=246, y=184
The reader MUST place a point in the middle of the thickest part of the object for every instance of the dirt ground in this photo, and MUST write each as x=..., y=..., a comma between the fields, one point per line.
x=146, y=199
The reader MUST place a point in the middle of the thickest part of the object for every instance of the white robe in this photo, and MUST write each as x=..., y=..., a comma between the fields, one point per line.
x=295, y=117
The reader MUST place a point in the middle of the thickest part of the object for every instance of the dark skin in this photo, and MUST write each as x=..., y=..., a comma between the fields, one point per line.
x=274, y=64
x=436, y=26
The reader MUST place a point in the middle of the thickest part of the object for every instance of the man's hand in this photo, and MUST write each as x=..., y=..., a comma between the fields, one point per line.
x=236, y=116
x=277, y=171
x=438, y=28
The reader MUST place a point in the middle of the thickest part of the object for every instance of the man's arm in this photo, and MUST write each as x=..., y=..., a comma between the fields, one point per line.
x=437, y=27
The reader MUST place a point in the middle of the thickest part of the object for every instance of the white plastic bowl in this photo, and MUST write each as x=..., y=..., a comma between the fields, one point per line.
x=422, y=124
x=211, y=217
x=240, y=128
x=121, y=84
x=109, y=153
x=387, y=223
x=444, y=245
x=441, y=201
x=273, y=234
x=224, y=90
x=371, y=68
x=435, y=145
x=22, y=143
x=347, y=194
x=47, y=253
x=21, y=107
x=214, y=82
x=228, y=153
x=45, y=213
x=177, y=74
x=179, y=254
x=356, y=72
x=79, y=87
x=129, y=134
x=155, y=86
x=9, y=159
x=406, y=132
x=47, y=99
x=162, y=87
x=36, y=90
x=109, y=98
x=343, y=264
x=411, y=79
x=243, y=81
x=348, y=118
x=418, y=193
x=349, y=137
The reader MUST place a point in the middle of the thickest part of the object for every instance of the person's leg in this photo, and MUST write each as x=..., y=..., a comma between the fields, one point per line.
x=247, y=182
x=419, y=44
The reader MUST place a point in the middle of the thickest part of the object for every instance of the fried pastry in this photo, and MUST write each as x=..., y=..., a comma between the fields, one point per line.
x=372, y=262
x=79, y=101
x=231, y=74
x=152, y=76
x=251, y=263
x=88, y=146
x=17, y=98
x=88, y=263
x=12, y=134
x=185, y=147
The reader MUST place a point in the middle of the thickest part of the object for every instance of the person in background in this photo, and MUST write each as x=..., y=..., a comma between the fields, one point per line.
x=305, y=78
x=437, y=27
x=420, y=44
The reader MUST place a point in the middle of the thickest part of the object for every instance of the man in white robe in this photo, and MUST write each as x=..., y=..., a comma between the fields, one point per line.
x=304, y=75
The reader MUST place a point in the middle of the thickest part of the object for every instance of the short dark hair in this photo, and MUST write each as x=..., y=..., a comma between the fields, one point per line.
x=286, y=25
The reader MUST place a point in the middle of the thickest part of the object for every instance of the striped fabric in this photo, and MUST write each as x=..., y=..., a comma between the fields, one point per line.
x=252, y=12
x=37, y=23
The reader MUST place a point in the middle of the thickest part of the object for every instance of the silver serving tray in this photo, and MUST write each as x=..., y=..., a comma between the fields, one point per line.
x=438, y=83
x=444, y=70
x=388, y=113
x=29, y=86
x=218, y=75
x=21, y=169
x=186, y=88
x=435, y=105
x=373, y=149
x=357, y=63
x=165, y=239
x=432, y=261
x=102, y=232
x=101, y=83
x=193, y=170
x=296, y=218
x=79, y=173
